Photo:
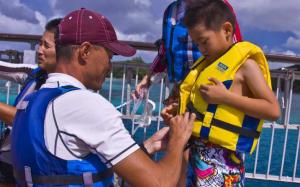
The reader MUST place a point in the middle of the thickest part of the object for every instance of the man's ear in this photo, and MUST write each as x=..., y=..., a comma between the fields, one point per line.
x=228, y=30
x=84, y=52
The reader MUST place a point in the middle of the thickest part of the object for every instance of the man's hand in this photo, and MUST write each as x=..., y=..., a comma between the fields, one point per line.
x=139, y=170
x=145, y=83
x=169, y=112
x=214, y=93
x=157, y=142
x=181, y=129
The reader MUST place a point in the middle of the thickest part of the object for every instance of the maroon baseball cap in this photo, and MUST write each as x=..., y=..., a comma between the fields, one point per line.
x=87, y=26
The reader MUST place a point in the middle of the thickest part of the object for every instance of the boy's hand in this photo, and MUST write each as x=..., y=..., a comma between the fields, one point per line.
x=215, y=93
x=169, y=112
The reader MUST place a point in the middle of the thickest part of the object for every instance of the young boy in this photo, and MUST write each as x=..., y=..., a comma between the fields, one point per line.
x=230, y=92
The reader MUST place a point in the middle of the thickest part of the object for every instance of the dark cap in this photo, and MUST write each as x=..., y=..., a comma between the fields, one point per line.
x=87, y=26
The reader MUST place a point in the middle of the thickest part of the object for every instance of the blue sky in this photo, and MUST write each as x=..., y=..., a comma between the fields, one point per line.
x=272, y=24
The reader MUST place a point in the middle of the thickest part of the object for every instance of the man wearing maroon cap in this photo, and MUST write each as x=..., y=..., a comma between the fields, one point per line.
x=66, y=134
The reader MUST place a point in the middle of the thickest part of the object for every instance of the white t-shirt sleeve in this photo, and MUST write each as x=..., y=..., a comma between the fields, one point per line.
x=15, y=72
x=88, y=123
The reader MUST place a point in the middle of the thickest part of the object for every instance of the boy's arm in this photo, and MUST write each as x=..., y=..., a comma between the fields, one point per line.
x=262, y=105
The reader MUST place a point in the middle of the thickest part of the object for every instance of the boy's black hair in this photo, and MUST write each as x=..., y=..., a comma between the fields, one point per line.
x=52, y=25
x=211, y=13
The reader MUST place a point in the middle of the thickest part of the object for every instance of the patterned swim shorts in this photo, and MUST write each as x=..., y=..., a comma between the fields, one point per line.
x=213, y=166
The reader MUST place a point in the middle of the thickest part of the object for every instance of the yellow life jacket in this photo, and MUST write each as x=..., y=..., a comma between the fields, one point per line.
x=221, y=124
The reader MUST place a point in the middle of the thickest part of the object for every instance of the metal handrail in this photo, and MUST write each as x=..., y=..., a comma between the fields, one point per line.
x=145, y=46
x=287, y=75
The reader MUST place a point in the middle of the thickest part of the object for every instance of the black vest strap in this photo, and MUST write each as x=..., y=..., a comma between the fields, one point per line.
x=224, y=125
x=62, y=179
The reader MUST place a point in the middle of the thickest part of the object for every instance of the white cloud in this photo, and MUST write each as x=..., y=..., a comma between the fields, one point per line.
x=269, y=14
x=41, y=18
x=11, y=25
x=289, y=53
x=141, y=16
x=132, y=17
x=131, y=37
x=278, y=65
x=283, y=52
x=147, y=56
x=278, y=50
x=147, y=3
x=16, y=9
x=272, y=16
x=52, y=3
x=158, y=22
x=293, y=42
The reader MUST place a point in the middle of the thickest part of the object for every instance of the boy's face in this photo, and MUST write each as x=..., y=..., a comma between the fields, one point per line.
x=212, y=44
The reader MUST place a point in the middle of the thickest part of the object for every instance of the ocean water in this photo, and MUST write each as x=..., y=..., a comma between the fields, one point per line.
x=264, y=149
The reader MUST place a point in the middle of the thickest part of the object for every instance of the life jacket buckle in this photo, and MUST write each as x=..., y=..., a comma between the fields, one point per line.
x=235, y=159
x=208, y=116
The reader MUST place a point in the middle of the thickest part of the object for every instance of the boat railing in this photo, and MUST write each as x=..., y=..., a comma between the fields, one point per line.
x=277, y=155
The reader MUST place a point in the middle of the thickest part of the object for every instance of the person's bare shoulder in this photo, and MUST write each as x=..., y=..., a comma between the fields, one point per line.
x=254, y=79
x=250, y=68
x=252, y=74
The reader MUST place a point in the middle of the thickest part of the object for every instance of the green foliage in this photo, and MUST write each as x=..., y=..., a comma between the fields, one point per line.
x=131, y=69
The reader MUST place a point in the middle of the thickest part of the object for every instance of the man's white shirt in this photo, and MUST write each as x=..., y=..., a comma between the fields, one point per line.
x=86, y=123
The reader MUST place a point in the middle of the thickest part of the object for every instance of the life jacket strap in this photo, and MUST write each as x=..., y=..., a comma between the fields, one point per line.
x=224, y=125
x=86, y=179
